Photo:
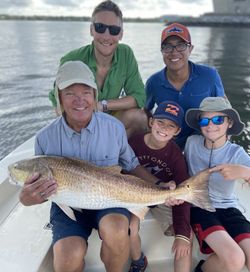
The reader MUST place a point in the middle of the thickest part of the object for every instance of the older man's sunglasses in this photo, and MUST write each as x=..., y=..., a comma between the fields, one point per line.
x=113, y=29
x=217, y=120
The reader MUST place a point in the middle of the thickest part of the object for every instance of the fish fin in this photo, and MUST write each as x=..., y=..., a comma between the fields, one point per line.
x=67, y=210
x=115, y=169
x=196, y=189
x=44, y=170
x=140, y=212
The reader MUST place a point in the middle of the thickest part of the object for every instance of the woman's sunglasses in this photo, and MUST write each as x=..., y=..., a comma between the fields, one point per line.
x=217, y=120
x=113, y=29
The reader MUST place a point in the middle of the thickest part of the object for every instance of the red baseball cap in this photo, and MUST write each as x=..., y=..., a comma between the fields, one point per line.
x=176, y=29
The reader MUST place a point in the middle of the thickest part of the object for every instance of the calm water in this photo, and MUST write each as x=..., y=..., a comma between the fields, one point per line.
x=30, y=53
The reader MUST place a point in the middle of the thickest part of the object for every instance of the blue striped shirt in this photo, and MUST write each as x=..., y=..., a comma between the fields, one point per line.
x=103, y=142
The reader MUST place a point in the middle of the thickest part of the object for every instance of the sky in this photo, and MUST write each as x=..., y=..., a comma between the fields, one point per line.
x=130, y=8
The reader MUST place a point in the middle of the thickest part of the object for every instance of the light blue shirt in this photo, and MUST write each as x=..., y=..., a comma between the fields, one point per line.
x=221, y=191
x=103, y=142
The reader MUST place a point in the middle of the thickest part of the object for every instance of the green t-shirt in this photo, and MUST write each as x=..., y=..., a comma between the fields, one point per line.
x=122, y=76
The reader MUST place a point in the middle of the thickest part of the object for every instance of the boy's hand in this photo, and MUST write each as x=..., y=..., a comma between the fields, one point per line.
x=171, y=185
x=173, y=202
x=232, y=171
x=170, y=201
x=181, y=248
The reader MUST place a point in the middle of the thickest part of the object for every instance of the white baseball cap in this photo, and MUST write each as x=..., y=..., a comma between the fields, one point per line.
x=73, y=72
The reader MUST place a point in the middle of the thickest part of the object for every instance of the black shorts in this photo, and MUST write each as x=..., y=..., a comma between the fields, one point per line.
x=86, y=220
x=230, y=220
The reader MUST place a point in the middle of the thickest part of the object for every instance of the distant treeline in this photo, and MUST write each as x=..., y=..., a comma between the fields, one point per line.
x=209, y=19
x=68, y=18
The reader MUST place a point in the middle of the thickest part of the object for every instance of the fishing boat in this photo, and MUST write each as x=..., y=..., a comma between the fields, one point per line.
x=25, y=234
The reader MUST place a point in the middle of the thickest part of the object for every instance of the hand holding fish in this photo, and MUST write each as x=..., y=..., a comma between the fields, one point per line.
x=170, y=201
x=173, y=202
x=171, y=185
x=36, y=191
x=233, y=171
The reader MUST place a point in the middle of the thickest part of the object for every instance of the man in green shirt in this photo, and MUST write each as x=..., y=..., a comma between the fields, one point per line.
x=120, y=87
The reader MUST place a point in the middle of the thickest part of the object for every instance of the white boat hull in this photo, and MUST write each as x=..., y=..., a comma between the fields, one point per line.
x=25, y=245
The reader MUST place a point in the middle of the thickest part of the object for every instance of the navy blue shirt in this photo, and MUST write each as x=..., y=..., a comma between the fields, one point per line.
x=203, y=81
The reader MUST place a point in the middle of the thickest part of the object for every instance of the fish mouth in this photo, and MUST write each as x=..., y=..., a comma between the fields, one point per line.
x=12, y=180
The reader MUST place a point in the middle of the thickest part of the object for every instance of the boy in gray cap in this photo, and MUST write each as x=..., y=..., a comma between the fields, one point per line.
x=225, y=232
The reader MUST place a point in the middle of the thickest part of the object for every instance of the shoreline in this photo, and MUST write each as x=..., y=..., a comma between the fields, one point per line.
x=206, y=20
x=215, y=24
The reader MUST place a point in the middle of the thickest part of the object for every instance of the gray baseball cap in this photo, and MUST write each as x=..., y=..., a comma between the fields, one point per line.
x=215, y=104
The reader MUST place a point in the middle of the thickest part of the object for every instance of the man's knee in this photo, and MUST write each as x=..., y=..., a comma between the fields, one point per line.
x=114, y=230
x=135, y=121
x=132, y=116
x=69, y=254
x=137, y=115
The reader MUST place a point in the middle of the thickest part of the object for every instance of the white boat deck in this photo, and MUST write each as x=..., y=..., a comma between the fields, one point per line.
x=25, y=245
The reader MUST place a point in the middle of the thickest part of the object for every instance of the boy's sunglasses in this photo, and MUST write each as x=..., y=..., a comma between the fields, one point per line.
x=217, y=120
x=113, y=29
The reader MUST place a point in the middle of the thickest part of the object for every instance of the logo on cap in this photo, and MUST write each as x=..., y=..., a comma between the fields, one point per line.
x=172, y=109
x=175, y=29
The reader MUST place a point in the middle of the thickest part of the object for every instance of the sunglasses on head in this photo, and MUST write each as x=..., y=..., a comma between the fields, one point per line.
x=113, y=29
x=216, y=120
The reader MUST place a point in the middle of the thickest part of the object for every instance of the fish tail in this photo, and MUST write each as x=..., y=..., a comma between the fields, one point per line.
x=197, y=191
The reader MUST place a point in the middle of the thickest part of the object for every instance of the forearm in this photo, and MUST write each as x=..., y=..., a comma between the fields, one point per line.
x=123, y=103
x=142, y=173
x=233, y=171
x=181, y=220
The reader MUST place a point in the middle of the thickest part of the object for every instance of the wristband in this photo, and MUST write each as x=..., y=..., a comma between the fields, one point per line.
x=182, y=237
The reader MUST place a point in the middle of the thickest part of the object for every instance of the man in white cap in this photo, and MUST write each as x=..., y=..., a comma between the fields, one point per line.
x=83, y=133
